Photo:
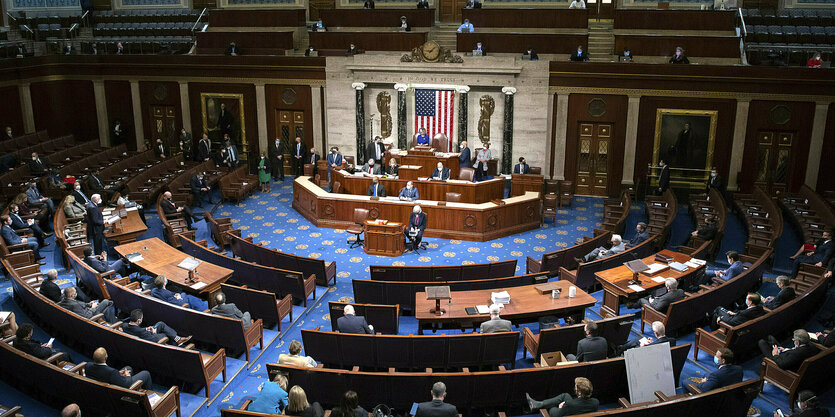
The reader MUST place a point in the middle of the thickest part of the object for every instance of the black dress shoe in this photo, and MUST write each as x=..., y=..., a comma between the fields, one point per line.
x=46, y=235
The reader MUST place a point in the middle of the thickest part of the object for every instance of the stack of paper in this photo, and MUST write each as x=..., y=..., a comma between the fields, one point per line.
x=198, y=286
x=189, y=264
x=500, y=297
x=692, y=264
x=699, y=262
x=655, y=268
x=677, y=266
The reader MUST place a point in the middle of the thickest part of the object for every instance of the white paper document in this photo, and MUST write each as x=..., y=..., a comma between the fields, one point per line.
x=659, y=279
x=189, y=264
x=500, y=297
x=655, y=268
x=482, y=309
x=636, y=288
x=198, y=286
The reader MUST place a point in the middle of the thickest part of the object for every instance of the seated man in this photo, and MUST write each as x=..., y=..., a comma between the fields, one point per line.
x=726, y=374
x=579, y=55
x=495, y=324
x=414, y=231
x=736, y=267
x=466, y=27
x=13, y=238
x=592, y=348
x=153, y=333
x=28, y=225
x=100, y=371
x=409, y=192
x=808, y=405
x=641, y=235
x=230, y=310
x=440, y=173
x=754, y=309
x=294, y=358
x=566, y=405
x=819, y=257
x=785, y=295
x=371, y=168
x=96, y=186
x=38, y=166
x=660, y=302
x=34, y=198
x=51, y=290
x=200, y=188
x=376, y=189
x=351, y=323
x=660, y=337
x=26, y=344
x=791, y=358
x=522, y=167
x=707, y=231
x=169, y=207
x=437, y=407
x=101, y=265
x=602, y=252
x=181, y=299
x=88, y=310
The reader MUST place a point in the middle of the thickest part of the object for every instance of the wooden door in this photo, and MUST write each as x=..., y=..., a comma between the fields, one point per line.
x=774, y=156
x=594, y=145
x=449, y=11
x=289, y=125
x=164, y=124
x=601, y=9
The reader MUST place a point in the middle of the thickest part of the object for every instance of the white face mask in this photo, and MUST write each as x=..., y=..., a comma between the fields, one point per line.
x=34, y=158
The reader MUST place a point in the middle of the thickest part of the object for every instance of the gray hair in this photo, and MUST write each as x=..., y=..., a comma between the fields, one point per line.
x=784, y=280
x=658, y=328
x=801, y=336
x=495, y=310
x=349, y=309
x=671, y=283
x=95, y=197
x=52, y=274
x=617, y=238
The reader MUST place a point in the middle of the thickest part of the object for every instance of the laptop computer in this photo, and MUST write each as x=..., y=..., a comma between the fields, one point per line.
x=313, y=53
x=526, y=57
x=477, y=52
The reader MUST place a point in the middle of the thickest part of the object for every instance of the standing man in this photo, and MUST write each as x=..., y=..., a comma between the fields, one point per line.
x=334, y=162
x=119, y=132
x=159, y=149
x=299, y=155
x=95, y=223
x=204, y=148
x=522, y=167
x=277, y=159
x=663, y=177
x=482, y=156
x=464, y=158
x=313, y=159
x=376, y=150
x=230, y=155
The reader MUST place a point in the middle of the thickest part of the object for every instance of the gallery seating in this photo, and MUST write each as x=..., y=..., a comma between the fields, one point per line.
x=384, y=318
x=564, y=339
x=444, y=273
x=583, y=276
x=260, y=304
x=810, y=212
x=762, y=217
x=325, y=272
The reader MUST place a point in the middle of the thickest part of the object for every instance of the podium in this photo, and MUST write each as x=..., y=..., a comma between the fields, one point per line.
x=438, y=293
x=521, y=183
x=384, y=239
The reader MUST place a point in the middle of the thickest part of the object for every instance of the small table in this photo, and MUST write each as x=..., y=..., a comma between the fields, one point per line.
x=527, y=304
x=615, y=281
x=384, y=239
x=521, y=183
x=162, y=259
x=128, y=228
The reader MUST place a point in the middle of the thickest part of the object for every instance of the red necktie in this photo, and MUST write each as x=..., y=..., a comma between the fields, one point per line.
x=369, y=170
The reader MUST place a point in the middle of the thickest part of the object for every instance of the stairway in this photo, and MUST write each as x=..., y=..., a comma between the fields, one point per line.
x=445, y=35
x=601, y=40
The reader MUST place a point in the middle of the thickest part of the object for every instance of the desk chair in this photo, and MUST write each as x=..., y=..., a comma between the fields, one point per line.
x=357, y=229
x=422, y=245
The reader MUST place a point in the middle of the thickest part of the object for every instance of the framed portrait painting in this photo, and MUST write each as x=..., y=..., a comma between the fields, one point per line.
x=223, y=114
x=685, y=139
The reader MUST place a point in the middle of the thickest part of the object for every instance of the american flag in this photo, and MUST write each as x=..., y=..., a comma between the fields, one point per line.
x=434, y=112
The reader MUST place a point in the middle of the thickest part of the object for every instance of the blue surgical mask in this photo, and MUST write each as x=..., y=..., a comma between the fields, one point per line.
x=716, y=360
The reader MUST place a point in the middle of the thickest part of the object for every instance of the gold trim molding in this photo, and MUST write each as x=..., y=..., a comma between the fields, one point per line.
x=689, y=94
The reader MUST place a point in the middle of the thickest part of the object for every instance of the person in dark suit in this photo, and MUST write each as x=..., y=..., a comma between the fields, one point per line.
x=376, y=150
x=726, y=374
x=393, y=169
x=349, y=406
x=100, y=264
x=808, y=405
x=369, y=4
x=663, y=177
x=715, y=181
x=26, y=344
x=679, y=57
x=522, y=167
x=9, y=134
x=592, y=348
x=36, y=199
x=72, y=410
x=79, y=195
x=200, y=188
x=423, y=4
x=532, y=53
x=299, y=156
x=658, y=330
x=826, y=338
x=232, y=50
x=819, y=257
x=791, y=358
x=95, y=223
x=181, y=299
x=230, y=310
x=204, y=148
x=313, y=159
x=277, y=159
x=707, y=231
x=376, y=189
x=352, y=49
x=51, y=290
x=409, y=192
x=566, y=405
x=753, y=309
x=160, y=150
x=95, y=185
x=351, y=323
x=87, y=309
x=579, y=55
x=404, y=25
x=13, y=238
x=641, y=235
x=465, y=160
x=169, y=207
x=496, y=323
x=785, y=295
x=153, y=333
x=371, y=168
x=100, y=371
x=334, y=162
x=29, y=225
x=736, y=267
x=229, y=155
x=38, y=166
x=480, y=47
x=414, y=231
x=440, y=173
x=661, y=302
x=437, y=407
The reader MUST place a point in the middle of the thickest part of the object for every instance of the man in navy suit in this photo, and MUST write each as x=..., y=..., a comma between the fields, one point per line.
x=819, y=257
x=785, y=295
x=522, y=167
x=663, y=177
x=351, y=323
x=95, y=223
x=12, y=238
x=640, y=236
x=440, y=173
x=736, y=267
x=19, y=224
x=414, y=231
x=660, y=333
x=791, y=358
x=200, y=188
x=153, y=333
x=464, y=158
x=34, y=198
x=100, y=371
x=754, y=309
x=79, y=195
x=334, y=162
x=726, y=374
x=171, y=297
x=409, y=192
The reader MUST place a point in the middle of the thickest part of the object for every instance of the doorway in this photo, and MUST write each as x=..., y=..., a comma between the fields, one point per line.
x=593, y=145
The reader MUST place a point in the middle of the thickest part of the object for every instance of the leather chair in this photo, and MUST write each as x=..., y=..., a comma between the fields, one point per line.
x=308, y=170
x=350, y=160
x=337, y=187
x=551, y=187
x=536, y=170
x=357, y=229
x=466, y=174
x=566, y=193
x=440, y=142
x=549, y=207
x=453, y=197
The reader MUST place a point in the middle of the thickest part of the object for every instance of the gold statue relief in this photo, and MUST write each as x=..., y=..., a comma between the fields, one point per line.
x=487, y=106
x=384, y=107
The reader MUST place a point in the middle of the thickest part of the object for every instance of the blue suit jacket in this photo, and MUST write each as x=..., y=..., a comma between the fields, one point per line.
x=18, y=222
x=10, y=236
x=823, y=252
x=423, y=140
x=168, y=296
x=334, y=159
x=464, y=159
x=352, y=324
x=271, y=400
x=638, y=238
x=410, y=194
x=722, y=377
x=33, y=196
x=97, y=264
x=733, y=270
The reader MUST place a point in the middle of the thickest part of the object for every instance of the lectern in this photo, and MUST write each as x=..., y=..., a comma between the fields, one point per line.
x=438, y=293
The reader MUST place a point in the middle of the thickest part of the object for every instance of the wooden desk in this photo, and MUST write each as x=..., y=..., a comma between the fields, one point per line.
x=368, y=41
x=127, y=229
x=471, y=192
x=526, y=305
x=384, y=239
x=377, y=17
x=527, y=18
x=522, y=183
x=162, y=259
x=615, y=282
x=428, y=162
x=543, y=43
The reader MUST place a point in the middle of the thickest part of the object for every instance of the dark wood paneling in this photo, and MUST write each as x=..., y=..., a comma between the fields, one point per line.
x=256, y=18
x=616, y=107
x=826, y=179
x=99, y=5
x=200, y=4
x=251, y=43
x=65, y=107
x=646, y=130
x=10, y=109
x=369, y=41
x=665, y=45
x=120, y=107
x=528, y=18
x=159, y=93
x=303, y=102
x=250, y=111
x=675, y=19
x=543, y=43
x=800, y=124
x=377, y=17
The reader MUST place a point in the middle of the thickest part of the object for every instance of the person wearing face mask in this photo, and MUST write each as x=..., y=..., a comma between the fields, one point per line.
x=9, y=134
x=808, y=405
x=34, y=198
x=626, y=55
x=18, y=223
x=726, y=373
x=464, y=158
x=80, y=196
x=334, y=162
x=277, y=159
x=409, y=192
x=204, y=148
x=715, y=181
x=791, y=358
x=185, y=145
x=679, y=57
x=169, y=207
x=119, y=133
x=13, y=238
x=200, y=189
x=264, y=173
x=663, y=177
x=482, y=157
x=376, y=189
x=95, y=223
x=579, y=55
x=371, y=168
x=159, y=149
x=38, y=166
x=753, y=309
x=96, y=185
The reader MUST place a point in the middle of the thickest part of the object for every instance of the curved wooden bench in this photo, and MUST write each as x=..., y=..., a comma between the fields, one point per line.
x=583, y=276
x=551, y=262
x=444, y=273
x=245, y=249
x=564, y=339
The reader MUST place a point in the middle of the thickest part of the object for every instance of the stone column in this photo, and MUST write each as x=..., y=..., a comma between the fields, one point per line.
x=463, y=110
x=360, y=109
x=139, y=129
x=631, y=140
x=186, y=106
x=561, y=136
x=507, y=141
x=401, y=115
x=26, y=108
x=316, y=106
x=101, y=112
x=261, y=114
x=738, y=145
x=816, y=144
